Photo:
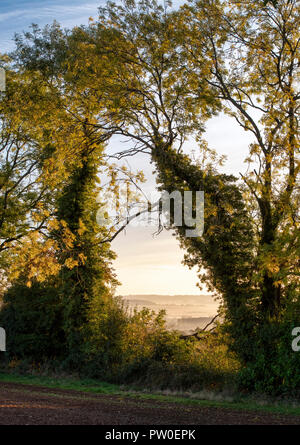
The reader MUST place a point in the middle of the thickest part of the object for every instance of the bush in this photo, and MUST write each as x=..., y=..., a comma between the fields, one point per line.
x=118, y=341
x=33, y=323
x=138, y=349
x=118, y=346
x=276, y=368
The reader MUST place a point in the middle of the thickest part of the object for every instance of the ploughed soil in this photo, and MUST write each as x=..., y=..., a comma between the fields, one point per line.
x=36, y=405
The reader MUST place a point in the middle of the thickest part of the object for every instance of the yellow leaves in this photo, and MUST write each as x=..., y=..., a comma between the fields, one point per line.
x=82, y=258
x=34, y=257
x=41, y=213
x=228, y=208
x=53, y=224
x=63, y=223
x=37, y=217
x=82, y=228
x=272, y=265
x=70, y=263
x=68, y=238
x=46, y=213
x=268, y=157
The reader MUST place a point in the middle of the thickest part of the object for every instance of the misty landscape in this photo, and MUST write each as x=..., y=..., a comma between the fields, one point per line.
x=185, y=313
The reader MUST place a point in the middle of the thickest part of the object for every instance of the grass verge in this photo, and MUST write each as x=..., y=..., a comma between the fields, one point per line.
x=195, y=399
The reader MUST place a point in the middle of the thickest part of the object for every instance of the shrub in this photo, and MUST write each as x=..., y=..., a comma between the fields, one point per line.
x=276, y=368
x=33, y=323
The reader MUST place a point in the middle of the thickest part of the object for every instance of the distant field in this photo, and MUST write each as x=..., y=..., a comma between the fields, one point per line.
x=183, y=312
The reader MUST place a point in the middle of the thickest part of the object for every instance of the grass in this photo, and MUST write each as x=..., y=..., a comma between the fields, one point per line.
x=198, y=399
x=85, y=385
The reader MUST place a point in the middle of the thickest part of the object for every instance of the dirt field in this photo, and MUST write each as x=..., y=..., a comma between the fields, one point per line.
x=34, y=405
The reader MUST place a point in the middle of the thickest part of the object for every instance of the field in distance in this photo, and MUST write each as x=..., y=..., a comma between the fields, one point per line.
x=185, y=313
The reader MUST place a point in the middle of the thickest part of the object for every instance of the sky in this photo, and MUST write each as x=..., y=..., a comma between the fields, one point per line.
x=18, y=15
x=146, y=264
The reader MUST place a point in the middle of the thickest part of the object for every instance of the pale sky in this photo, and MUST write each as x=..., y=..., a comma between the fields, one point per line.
x=152, y=264
x=145, y=264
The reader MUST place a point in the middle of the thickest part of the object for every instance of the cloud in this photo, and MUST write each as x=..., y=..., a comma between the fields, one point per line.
x=17, y=16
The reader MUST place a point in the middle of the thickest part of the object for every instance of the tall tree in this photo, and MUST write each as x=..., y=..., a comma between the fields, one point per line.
x=86, y=277
x=71, y=74
x=78, y=246
x=243, y=57
x=253, y=51
x=26, y=201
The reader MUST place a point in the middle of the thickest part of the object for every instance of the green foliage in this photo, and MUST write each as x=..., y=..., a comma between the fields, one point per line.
x=120, y=341
x=276, y=368
x=60, y=304
x=32, y=318
x=119, y=346
x=86, y=275
x=137, y=348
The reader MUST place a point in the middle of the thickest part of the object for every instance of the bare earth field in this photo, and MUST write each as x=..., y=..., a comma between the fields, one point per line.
x=36, y=405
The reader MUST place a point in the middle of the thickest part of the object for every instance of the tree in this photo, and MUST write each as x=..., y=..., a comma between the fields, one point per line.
x=244, y=57
x=73, y=242
x=53, y=315
x=253, y=53
x=76, y=100
x=26, y=201
x=86, y=278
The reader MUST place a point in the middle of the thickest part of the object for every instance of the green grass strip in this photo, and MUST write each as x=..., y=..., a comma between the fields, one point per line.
x=97, y=387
